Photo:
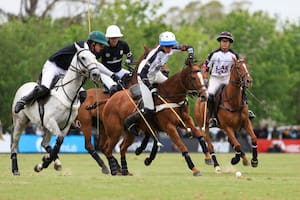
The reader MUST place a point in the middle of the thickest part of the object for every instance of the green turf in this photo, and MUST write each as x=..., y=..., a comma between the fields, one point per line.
x=277, y=177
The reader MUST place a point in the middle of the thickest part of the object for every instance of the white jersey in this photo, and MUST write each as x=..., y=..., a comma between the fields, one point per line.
x=220, y=63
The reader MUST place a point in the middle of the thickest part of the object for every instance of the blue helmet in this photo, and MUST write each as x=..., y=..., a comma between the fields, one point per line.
x=167, y=39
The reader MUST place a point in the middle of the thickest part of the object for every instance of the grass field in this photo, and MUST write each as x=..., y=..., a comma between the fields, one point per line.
x=277, y=177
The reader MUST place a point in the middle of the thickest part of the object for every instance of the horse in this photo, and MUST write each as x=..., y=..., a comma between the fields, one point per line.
x=232, y=113
x=169, y=102
x=60, y=108
x=90, y=114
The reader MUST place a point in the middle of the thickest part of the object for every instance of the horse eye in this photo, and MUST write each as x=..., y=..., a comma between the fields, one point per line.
x=82, y=58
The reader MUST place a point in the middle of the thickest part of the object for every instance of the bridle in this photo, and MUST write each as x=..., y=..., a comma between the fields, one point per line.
x=241, y=82
x=85, y=71
x=194, y=91
x=82, y=71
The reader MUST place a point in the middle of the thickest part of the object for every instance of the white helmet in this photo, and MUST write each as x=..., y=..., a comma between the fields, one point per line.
x=167, y=39
x=113, y=31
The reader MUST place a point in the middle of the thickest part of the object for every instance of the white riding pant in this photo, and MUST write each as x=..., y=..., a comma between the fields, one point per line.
x=158, y=77
x=50, y=70
x=107, y=81
x=215, y=82
x=122, y=72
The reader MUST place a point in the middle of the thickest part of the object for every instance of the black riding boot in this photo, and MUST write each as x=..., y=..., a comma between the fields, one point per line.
x=38, y=91
x=114, y=89
x=211, y=107
x=131, y=121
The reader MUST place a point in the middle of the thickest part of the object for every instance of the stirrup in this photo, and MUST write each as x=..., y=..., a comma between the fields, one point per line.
x=19, y=106
x=213, y=123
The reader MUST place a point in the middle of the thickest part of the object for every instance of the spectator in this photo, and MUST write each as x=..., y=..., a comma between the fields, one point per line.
x=275, y=133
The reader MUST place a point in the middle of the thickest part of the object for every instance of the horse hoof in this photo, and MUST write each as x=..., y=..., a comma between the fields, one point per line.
x=246, y=163
x=218, y=169
x=197, y=173
x=235, y=160
x=16, y=173
x=254, y=163
x=38, y=168
x=208, y=161
x=57, y=165
x=147, y=161
x=105, y=170
x=46, y=157
x=138, y=151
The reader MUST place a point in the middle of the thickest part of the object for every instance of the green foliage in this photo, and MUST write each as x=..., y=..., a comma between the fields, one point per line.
x=272, y=50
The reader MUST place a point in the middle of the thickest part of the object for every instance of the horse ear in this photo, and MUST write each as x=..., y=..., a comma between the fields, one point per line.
x=146, y=48
x=245, y=58
x=86, y=46
x=77, y=46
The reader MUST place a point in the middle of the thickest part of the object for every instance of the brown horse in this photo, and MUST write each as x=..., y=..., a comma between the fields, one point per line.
x=174, y=90
x=232, y=112
x=90, y=114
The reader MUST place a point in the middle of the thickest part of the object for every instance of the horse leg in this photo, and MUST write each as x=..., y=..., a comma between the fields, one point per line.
x=144, y=143
x=196, y=132
x=212, y=151
x=20, y=122
x=172, y=132
x=248, y=127
x=46, y=161
x=127, y=141
x=235, y=145
x=113, y=163
x=153, y=153
x=87, y=132
x=45, y=144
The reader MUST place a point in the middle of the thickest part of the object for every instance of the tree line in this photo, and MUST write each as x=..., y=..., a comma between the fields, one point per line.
x=271, y=46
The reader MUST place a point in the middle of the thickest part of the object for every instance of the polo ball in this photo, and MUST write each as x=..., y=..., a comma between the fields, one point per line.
x=238, y=174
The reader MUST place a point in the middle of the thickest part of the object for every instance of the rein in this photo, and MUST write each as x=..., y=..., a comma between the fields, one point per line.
x=78, y=71
x=238, y=84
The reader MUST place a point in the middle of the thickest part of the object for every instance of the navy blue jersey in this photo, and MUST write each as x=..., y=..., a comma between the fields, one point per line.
x=112, y=56
x=63, y=57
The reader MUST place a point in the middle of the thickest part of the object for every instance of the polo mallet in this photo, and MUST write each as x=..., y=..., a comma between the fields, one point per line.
x=204, y=118
x=159, y=144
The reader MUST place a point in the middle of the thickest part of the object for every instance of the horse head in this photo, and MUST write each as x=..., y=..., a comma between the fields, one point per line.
x=239, y=73
x=85, y=63
x=192, y=80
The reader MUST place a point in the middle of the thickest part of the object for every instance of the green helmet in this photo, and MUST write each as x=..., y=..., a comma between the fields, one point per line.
x=99, y=37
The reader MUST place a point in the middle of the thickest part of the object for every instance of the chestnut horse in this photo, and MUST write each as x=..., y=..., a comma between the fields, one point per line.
x=232, y=112
x=174, y=90
x=90, y=114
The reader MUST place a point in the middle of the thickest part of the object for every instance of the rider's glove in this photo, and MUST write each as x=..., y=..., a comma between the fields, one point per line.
x=115, y=78
x=127, y=62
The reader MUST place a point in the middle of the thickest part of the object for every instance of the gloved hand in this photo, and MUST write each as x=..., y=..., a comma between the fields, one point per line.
x=115, y=78
x=189, y=60
x=127, y=62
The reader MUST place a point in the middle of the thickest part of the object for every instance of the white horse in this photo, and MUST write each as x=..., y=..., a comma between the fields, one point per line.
x=61, y=108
